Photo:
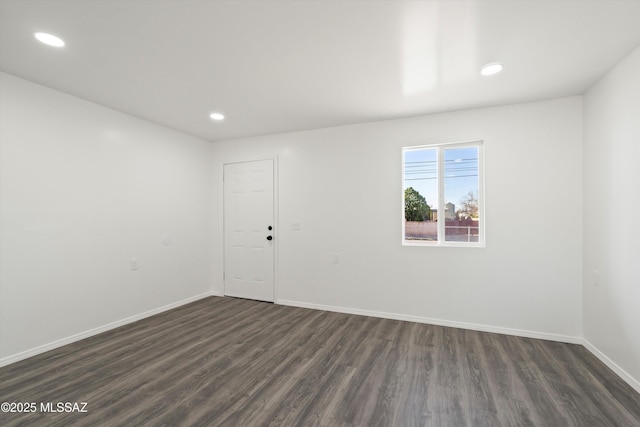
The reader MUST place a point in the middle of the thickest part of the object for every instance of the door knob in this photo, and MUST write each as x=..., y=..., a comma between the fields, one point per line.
x=269, y=238
x=269, y=228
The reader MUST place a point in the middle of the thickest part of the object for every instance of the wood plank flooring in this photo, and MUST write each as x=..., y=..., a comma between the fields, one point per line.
x=233, y=362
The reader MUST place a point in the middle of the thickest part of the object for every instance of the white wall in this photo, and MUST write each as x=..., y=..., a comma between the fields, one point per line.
x=611, y=224
x=83, y=189
x=344, y=185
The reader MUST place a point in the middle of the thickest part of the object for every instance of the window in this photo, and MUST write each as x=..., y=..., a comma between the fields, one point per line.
x=443, y=195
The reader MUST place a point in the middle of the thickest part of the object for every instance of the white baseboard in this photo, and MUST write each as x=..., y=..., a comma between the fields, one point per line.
x=633, y=382
x=95, y=331
x=439, y=322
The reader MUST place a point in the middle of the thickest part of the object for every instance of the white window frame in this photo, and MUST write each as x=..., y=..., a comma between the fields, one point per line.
x=441, y=242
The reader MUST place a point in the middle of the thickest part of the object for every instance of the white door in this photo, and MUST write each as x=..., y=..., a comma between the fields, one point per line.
x=248, y=230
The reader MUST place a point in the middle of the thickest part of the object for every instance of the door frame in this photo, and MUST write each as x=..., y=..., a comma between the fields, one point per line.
x=276, y=221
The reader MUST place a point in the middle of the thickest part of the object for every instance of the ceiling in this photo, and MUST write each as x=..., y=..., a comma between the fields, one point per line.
x=280, y=66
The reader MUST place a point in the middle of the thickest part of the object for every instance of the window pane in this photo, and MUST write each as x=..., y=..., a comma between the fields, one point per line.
x=461, y=188
x=420, y=194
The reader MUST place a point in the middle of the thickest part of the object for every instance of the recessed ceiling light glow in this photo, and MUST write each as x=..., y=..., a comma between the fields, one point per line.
x=49, y=39
x=216, y=116
x=491, y=69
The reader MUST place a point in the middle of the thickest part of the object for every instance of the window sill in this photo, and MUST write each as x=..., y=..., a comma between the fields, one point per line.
x=428, y=244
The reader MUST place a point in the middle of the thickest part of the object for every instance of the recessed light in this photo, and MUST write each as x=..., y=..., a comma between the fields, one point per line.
x=491, y=69
x=49, y=39
x=217, y=116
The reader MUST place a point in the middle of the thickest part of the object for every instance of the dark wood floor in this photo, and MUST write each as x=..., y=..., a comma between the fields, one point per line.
x=233, y=362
